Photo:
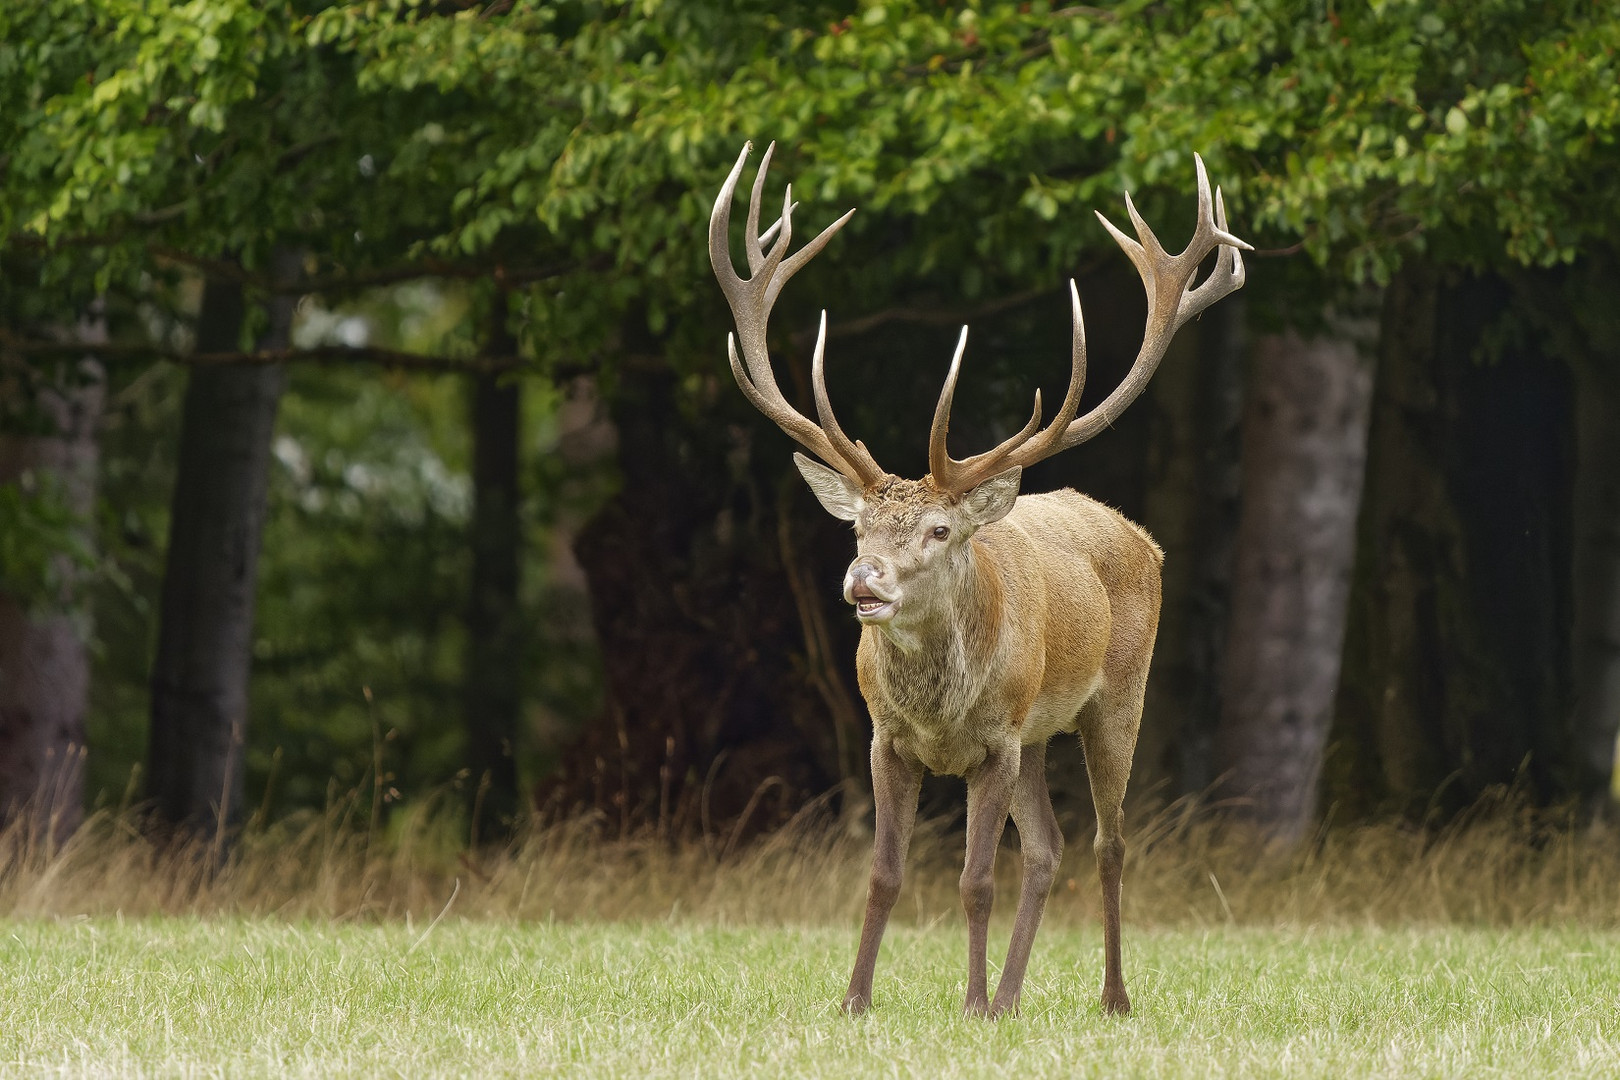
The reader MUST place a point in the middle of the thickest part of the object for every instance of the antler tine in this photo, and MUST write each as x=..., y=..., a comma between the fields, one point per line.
x=1027, y=446
x=960, y=476
x=1206, y=219
x=795, y=262
x=720, y=227
x=1049, y=441
x=765, y=237
x=751, y=301
x=853, y=452
x=1218, y=231
x=1150, y=241
x=752, y=237
x=1228, y=276
x=1077, y=362
x=939, y=460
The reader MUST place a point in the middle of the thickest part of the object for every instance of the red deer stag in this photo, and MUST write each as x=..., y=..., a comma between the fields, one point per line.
x=990, y=621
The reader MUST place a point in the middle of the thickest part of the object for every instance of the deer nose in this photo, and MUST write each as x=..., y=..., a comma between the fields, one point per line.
x=864, y=586
x=863, y=571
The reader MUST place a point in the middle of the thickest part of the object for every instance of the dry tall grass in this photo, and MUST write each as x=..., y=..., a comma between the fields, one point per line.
x=1503, y=864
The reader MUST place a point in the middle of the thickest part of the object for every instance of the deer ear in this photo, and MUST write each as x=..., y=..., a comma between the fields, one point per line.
x=993, y=499
x=834, y=490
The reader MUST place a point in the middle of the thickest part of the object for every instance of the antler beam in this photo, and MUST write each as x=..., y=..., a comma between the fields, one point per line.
x=1172, y=301
x=751, y=300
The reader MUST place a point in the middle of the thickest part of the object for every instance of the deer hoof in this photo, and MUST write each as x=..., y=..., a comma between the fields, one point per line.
x=998, y=1009
x=855, y=1004
x=977, y=1005
x=1115, y=1002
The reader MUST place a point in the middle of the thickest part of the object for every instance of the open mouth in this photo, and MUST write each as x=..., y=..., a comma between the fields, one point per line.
x=869, y=605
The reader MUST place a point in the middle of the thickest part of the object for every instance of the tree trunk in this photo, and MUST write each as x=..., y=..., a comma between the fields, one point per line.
x=1597, y=575
x=1304, y=448
x=715, y=724
x=493, y=675
x=1192, y=510
x=48, y=453
x=205, y=631
x=1457, y=656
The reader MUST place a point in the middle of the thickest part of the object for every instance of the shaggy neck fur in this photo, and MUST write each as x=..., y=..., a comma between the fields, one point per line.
x=933, y=665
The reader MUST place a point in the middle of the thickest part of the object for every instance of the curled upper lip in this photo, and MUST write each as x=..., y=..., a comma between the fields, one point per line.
x=869, y=602
x=860, y=589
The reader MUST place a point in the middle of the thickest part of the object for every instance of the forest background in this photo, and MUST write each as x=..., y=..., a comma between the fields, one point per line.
x=365, y=422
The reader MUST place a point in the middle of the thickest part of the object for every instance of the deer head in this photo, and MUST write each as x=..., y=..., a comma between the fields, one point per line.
x=909, y=531
x=906, y=530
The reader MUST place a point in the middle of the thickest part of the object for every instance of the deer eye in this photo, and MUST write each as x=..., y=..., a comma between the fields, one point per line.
x=941, y=532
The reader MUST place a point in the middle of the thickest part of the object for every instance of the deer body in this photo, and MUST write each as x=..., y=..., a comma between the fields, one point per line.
x=1043, y=583
x=990, y=621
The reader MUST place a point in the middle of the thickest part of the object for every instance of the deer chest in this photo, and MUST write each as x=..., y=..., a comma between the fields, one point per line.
x=947, y=754
x=932, y=710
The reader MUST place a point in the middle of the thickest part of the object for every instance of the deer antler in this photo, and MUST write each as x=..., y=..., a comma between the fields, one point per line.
x=1172, y=301
x=751, y=301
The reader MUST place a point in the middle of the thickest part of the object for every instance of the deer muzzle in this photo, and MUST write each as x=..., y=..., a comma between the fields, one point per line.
x=871, y=591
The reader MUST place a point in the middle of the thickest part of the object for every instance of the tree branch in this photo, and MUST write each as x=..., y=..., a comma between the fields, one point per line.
x=320, y=354
x=1042, y=44
x=1279, y=253
x=848, y=328
x=296, y=153
x=431, y=268
x=158, y=217
x=331, y=283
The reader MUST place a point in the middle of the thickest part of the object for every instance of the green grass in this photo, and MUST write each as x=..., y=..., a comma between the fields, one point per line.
x=322, y=946
x=243, y=997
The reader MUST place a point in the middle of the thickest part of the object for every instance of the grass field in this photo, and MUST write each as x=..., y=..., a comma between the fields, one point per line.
x=246, y=997
x=324, y=947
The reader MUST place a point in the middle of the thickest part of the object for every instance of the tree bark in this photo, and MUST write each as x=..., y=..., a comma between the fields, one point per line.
x=492, y=692
x=1304, y=448
x=205, y=632
x=44, y=657
x=1457, y=657
x=1596, y=713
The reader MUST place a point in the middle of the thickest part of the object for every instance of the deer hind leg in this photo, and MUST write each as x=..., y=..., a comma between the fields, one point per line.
x=895, y=783
x=990, y=795
x=1108, y=731
x=1042, y=843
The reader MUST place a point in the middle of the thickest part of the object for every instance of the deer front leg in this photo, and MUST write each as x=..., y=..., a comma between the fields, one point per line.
x=990, y=792
x=895, y=783
x=1042, y=844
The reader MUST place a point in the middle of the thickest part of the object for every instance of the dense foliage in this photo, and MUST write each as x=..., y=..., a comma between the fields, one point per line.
x=571, y=151
x=372, y=133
